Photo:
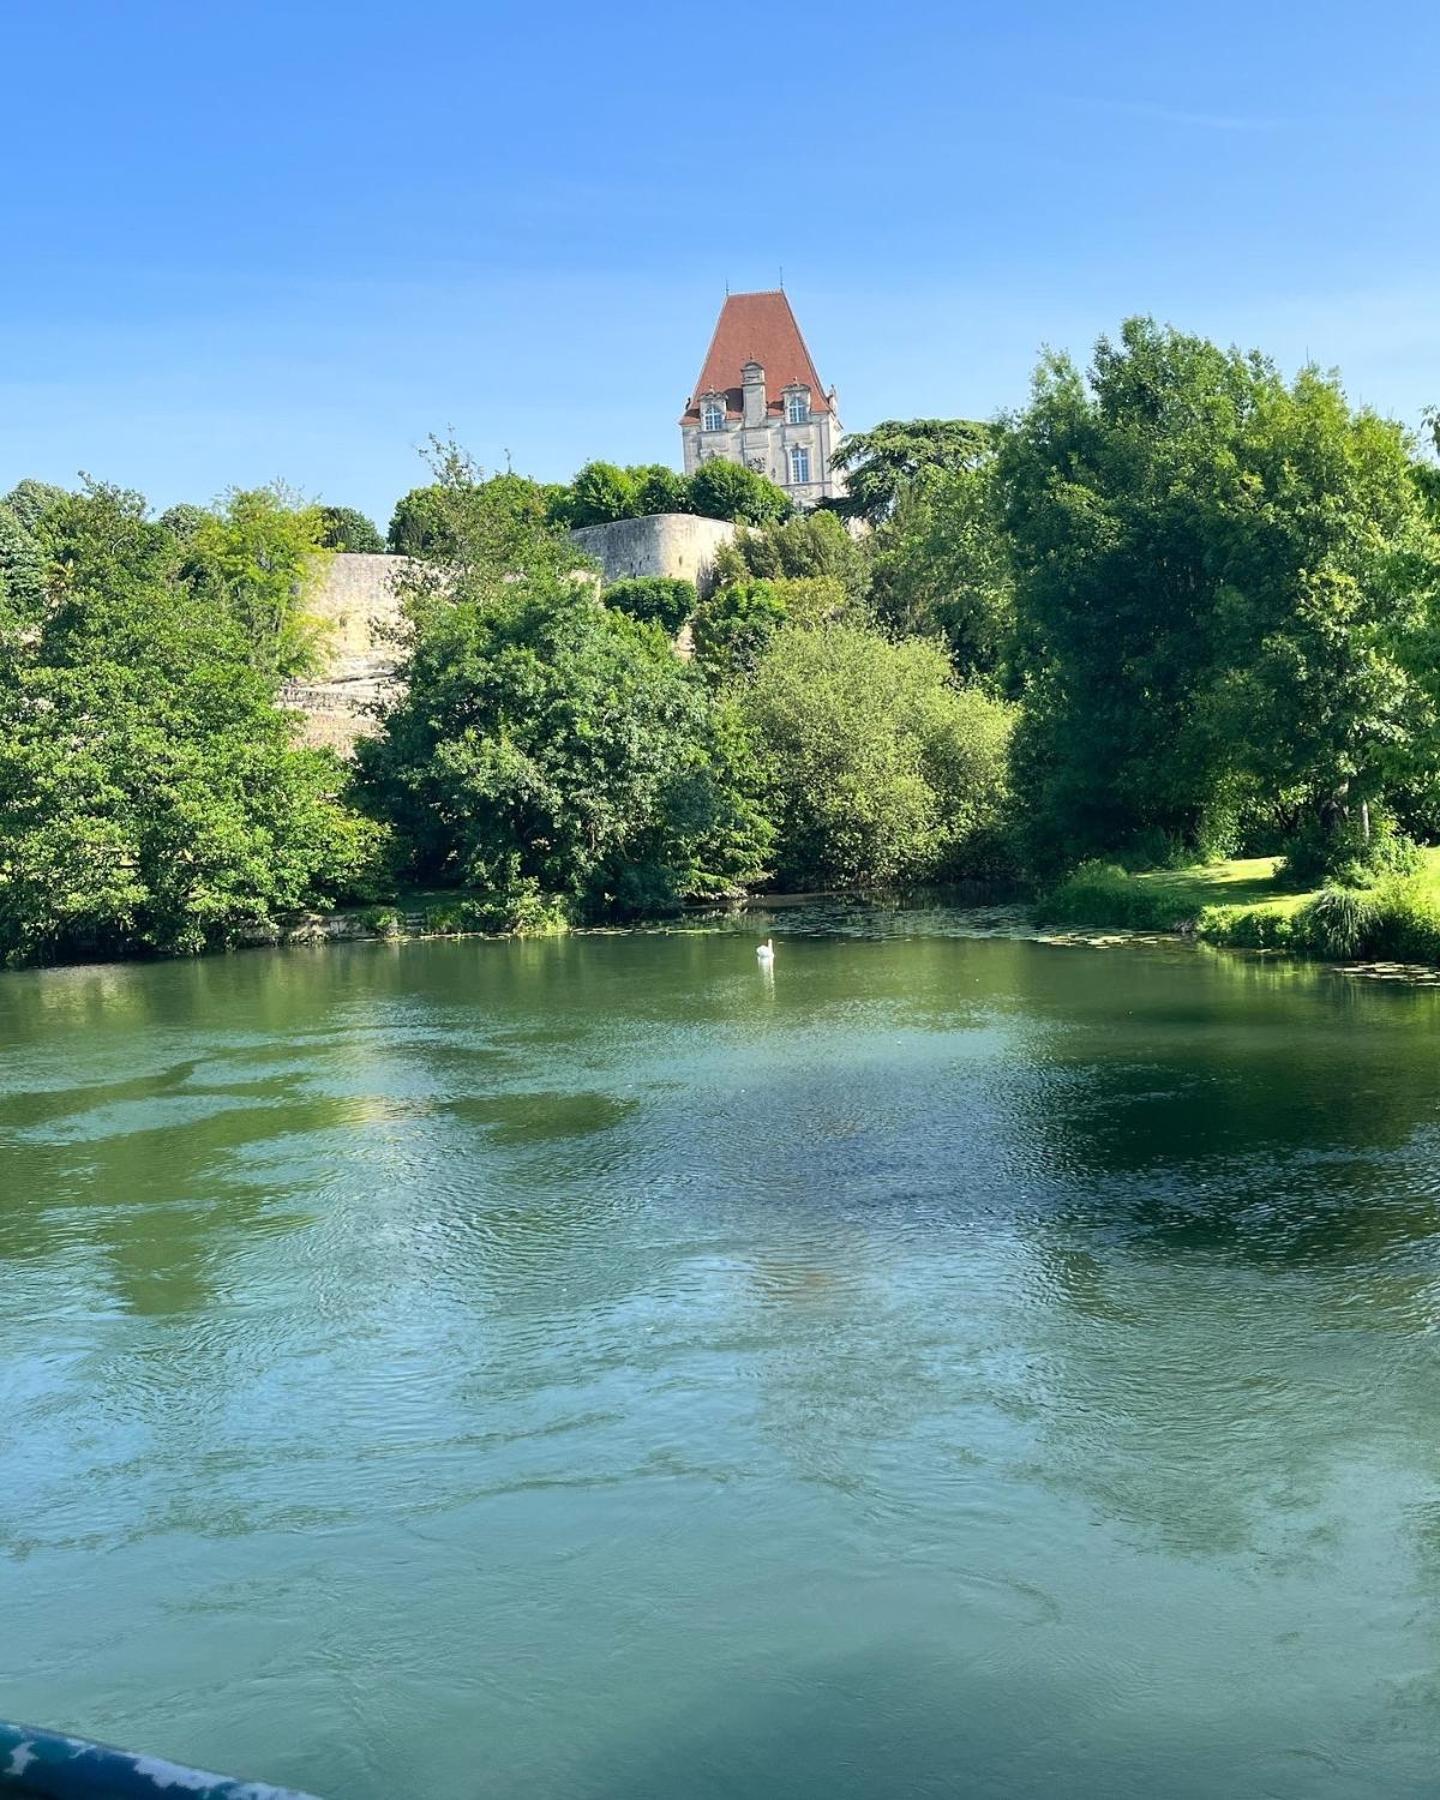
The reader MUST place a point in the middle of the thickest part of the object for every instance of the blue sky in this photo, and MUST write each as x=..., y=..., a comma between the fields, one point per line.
x=263, y=241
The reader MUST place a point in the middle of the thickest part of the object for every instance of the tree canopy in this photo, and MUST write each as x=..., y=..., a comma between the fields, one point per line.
x=151, y=793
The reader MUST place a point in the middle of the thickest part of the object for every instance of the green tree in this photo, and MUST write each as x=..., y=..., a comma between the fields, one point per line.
x=419, y=525
x=941, y=567
x=151, y=795
x=22, y=574
x=725, y=490
x=733, y=626
x=879, y=768
x=660, y=489
x=347, y=530
x=880, y=464
x=601, y=493
x=258, y=554
x=183, y=520
x=31, y=501
x=663, y=600
x=1224, y=586
x=543, y=746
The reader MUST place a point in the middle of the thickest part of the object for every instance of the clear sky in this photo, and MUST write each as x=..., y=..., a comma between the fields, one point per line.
x=250, y=241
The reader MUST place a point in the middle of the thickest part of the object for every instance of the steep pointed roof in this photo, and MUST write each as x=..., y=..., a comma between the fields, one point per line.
x=757, y=328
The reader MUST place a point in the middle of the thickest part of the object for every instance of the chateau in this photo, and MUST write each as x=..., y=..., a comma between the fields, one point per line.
x=760, y=402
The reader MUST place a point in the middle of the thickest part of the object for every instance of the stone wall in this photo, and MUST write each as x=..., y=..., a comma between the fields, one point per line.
x=662, y=544
x=356, y=605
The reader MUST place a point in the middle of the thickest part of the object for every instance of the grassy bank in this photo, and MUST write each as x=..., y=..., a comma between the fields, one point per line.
x=1243, y=905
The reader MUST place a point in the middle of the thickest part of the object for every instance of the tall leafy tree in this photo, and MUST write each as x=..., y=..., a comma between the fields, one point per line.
x=257, y=555
x=880, y=768
x=151, y=793
x=345, y=529
x=941, y=566
x=725, y=490
x=1224, y=584
x=542, y=746
x=881, y=463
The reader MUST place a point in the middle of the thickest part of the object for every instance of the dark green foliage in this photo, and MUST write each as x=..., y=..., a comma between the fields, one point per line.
x=941, y=565
x=660, y=489
x=151, y=796
x=420, y=525
x=31, y=502
x=880, y=464
x=343, y=528
x=726, y=490
x=1109, y=897
x=183, y=520
x=1362, y=847
x=810, y=545
x=601, y=493
x=880, y=769
x=1223, y=587
x=734, y=625
x=663, y=600
x=545, y=749
x=22, y=573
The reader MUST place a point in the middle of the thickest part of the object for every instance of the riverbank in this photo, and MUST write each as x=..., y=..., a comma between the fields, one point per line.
x=1242, y=904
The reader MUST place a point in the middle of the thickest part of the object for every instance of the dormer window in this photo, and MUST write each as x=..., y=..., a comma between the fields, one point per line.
x=712, y=416
x=797, y=407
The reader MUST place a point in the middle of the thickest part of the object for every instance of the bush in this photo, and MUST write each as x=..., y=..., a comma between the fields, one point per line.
x=811, y=545
x=542, y=748
x=421, y=523
x=384, y=921
x=601, y=493
x=1104, y=894
x=1346, y=854
x=663, y=600
x=1246, y=927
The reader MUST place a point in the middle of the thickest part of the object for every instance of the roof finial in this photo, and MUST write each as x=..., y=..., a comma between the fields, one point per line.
x=782, y=278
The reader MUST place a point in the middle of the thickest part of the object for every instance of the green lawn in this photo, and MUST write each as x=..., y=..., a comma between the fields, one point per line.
x=1241, y=903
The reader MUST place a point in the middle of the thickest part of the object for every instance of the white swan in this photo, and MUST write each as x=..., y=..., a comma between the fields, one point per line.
x=766, y=952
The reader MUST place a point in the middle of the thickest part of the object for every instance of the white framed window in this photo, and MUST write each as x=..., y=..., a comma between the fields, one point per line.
x=797, y=408
x=799, y=465
x=712, y=416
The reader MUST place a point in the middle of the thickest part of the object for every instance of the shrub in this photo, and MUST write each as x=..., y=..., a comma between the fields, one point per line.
x=384, y=921
x=1104, y=894
x=1246, y=927
x=734, y=626
x=663, y=600
x=1346, y=854
x=601, y=493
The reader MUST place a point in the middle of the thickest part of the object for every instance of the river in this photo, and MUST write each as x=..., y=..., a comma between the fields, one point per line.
x=593, y=1368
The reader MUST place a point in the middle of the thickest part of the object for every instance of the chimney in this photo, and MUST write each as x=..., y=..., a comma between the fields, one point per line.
x=753, y=377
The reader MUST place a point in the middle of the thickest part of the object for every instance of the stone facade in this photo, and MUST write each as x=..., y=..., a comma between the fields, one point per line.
x=676, y=544
x=356, y=606
x=759, y=402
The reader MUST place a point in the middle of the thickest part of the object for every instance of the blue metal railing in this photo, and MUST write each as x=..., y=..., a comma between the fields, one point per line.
x=45, y=1765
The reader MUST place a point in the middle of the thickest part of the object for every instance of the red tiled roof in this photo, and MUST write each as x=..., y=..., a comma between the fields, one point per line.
x=756, y=328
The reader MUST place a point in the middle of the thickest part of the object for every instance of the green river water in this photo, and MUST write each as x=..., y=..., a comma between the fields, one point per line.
x=593, y=1369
